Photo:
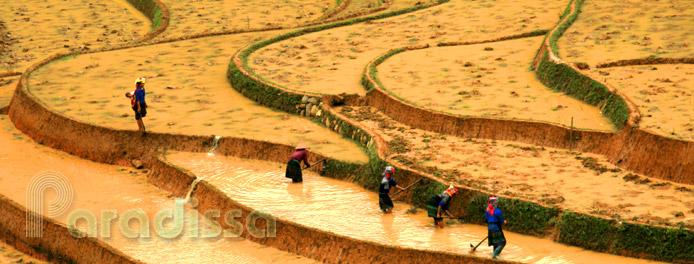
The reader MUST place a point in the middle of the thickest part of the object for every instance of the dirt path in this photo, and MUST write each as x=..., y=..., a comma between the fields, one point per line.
x=187, y=92
x=346, y=209
x=332, y=61
x=628, y=29
x=488, y=80
x=577, y=181
x=663, y=94
x=100, y=187
x=38, y=29
x=193, y=17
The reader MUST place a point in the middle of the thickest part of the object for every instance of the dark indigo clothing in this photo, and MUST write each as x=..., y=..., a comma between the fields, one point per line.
x=494, y=231
x=384, y=201
x=441, y=199
x=386, y=183
x=300, y=155
x=294, y=171
x=434, y=203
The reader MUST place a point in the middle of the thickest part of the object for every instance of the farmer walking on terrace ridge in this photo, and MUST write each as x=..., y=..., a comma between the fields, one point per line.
x=137, y=100
x=495, y=219
x=388, y=181
x=439, y=204
x=294, y=164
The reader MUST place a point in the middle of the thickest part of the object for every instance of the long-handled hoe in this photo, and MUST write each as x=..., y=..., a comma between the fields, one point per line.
x=478, y=244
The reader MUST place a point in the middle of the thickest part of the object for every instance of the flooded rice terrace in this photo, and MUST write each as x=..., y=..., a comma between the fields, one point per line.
x=123, y=189
x=346, y=209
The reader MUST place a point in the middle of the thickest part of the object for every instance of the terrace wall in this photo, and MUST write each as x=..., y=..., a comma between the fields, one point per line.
x=56, y=244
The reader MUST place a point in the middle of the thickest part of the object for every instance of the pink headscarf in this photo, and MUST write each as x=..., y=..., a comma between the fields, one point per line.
x=493, y=201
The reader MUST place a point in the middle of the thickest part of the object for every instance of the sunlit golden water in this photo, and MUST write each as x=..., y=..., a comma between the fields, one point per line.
x=347, y=209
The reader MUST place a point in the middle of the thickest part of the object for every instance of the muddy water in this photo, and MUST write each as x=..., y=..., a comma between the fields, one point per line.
x=332, y=61
x=489, y=80
x=100, y=187
x=187, y=92
x=38, y=29
x=346, y=209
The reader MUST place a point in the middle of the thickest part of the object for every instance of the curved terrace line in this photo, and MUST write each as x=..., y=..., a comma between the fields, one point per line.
x=549, y=45
x=159, y=137
x=240, y=58
x=645, y=61
x=341, y=5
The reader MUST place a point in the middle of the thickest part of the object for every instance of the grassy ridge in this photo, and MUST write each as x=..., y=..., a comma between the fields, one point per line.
x=561, y=77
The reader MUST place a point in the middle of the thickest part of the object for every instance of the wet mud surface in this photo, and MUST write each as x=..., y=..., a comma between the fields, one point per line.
x=663, y=94
x=608, y=31
x=332, y=61
x=187, y=92
x=346, y=209
x=201, y=16
x=98, y=187
x=35, y=30
x=577, y=181
x=487, y=80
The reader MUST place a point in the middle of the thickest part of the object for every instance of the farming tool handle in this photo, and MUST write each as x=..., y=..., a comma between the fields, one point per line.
x=407, y=187
x=478, y=244
x=314, y=163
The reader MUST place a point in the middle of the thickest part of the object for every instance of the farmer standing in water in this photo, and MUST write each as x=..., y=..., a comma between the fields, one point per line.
x=294, y=164
x=495, y=219
x=388, y=181
x=138, y=103
x=439, y=204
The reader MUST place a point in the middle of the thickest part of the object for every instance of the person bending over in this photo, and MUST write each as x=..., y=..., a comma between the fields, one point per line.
x=438, y=205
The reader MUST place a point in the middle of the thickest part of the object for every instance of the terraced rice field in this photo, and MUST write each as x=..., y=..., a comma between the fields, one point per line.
x=188, y=92
x=332, y=61
x=487, y=80
x=618, y=30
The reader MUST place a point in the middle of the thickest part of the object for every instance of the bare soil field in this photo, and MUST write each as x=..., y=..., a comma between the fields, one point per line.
x=608, y=31
x=38, y=29
x=663, y=94
x=332, y=61
x=200, y=16
x=577, y=181
x=488, y=80
x=187, y=92
x=98, y=187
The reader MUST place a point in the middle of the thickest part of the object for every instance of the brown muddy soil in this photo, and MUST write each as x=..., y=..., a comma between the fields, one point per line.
x=98, y=187
x=488, y=80
x=194, y=17
x=187, y=92
x=663, y=94
x=9, y=254
x=608, y=31
x=349, y=210
x=332, y=61
x=577, y=181
x=38, y=29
